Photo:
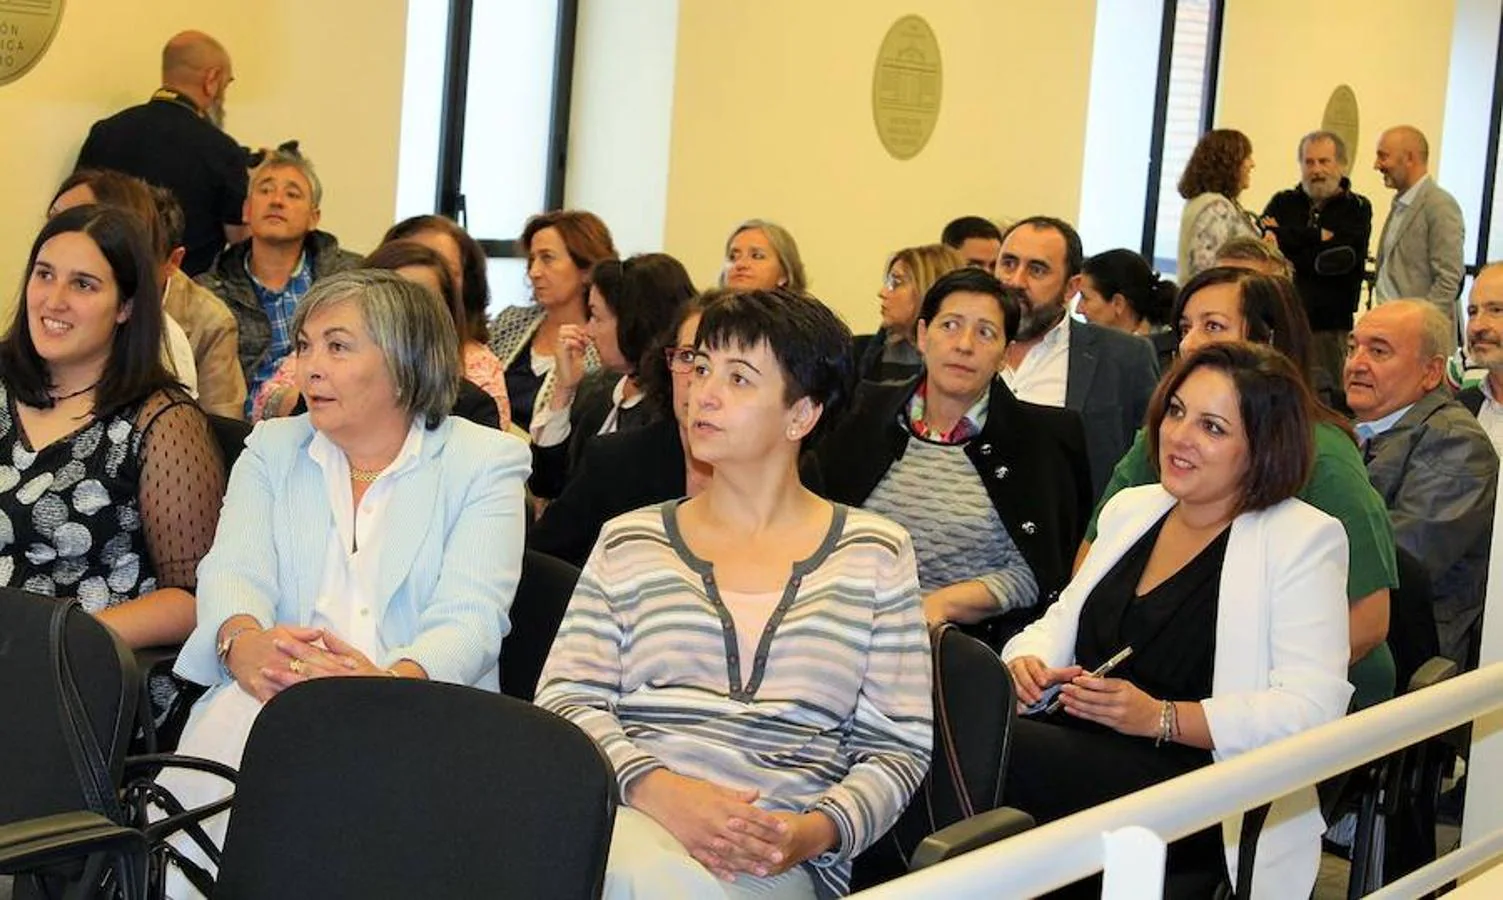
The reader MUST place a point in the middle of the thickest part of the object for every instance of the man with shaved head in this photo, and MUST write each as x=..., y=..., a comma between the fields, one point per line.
x=1427, y=457
x=175, y=140
x=1419, y=251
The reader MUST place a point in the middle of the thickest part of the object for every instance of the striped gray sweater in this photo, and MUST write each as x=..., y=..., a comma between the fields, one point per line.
x=834, y=713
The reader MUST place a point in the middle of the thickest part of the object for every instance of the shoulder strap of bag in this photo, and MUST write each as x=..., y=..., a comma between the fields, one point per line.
x=83, y=746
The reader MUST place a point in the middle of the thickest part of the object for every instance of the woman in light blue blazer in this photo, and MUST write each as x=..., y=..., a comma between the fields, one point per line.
x=374, y=535
x=1231, y=595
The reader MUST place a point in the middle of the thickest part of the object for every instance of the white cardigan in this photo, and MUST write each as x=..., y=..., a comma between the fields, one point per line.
x=1281, y=652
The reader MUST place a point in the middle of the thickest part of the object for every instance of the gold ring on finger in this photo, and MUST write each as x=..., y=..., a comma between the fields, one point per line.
x=297, y=666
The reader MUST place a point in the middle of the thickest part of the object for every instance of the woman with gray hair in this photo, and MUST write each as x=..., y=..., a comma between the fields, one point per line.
x=761, y=255
x=373, y=535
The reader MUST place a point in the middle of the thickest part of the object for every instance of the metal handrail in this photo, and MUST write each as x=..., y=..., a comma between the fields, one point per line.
x=1072, y=848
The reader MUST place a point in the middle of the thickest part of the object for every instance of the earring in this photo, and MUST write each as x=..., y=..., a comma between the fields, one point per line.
x=793, y=434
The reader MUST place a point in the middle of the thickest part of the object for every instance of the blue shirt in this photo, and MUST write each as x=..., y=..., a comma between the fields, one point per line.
x=279, y=307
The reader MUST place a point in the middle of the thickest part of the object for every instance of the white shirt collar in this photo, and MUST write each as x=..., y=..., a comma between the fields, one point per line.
x=336, y=465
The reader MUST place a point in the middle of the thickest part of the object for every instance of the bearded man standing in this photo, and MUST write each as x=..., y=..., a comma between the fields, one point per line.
x=1323, y=228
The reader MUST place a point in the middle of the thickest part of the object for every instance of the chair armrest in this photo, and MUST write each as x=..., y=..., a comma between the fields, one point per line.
x=970, y=834
x=1434, y=670
x=144, y=763
x=48, y=840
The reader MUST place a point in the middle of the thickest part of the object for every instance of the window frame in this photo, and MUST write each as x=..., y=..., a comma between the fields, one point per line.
x=1210, y=79
x=449, y=199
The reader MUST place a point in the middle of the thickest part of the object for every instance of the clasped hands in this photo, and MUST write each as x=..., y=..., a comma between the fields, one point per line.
x=1114, y=702
x=268, y=661
x=724, y=831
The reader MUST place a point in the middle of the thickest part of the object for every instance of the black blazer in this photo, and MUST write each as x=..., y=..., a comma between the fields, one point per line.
x=592, y=403
x=619, y=473
x=1471, y=398
x=1110, y=380
x=1031, y=459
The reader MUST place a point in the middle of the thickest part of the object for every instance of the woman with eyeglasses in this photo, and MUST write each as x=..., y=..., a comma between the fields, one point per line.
x=892, y=354
x=657, y=454
x=631, y=305
x=752, y=660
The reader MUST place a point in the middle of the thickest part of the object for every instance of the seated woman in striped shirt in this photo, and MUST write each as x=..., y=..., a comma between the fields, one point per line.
x=753, y=660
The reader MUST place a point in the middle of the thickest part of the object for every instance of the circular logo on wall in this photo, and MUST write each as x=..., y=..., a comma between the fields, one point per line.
x=906, y=87
x=26, y=30
x=1341, y=116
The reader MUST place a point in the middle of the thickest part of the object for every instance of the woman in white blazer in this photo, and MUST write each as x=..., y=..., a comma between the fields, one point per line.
x=1231, y=594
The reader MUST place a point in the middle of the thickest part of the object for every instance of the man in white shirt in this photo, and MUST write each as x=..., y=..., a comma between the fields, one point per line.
x=1484, y=346
x=1105, y=375
x=1420, y=249
x=1427, y=457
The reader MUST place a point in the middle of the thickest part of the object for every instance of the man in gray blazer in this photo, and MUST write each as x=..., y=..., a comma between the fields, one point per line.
x=1429, y=459
x=1419, y=251
x=1105, y=375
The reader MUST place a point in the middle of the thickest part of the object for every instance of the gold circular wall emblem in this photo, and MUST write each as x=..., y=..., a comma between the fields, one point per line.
x=1341, y=118
x=906, y=87
x=26, y=30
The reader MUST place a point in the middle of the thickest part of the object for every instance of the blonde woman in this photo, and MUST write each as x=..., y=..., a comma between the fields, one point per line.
x=892, y=354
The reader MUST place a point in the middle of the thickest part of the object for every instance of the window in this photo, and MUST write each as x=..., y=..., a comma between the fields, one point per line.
x=484, y=119
x=1151, y=96
x=1184, y=111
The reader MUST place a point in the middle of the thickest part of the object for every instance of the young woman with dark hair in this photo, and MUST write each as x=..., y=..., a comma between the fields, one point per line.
x=631, y=304
x=112, y=480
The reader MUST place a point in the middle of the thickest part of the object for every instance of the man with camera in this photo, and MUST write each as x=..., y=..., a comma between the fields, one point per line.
x=1323, y=227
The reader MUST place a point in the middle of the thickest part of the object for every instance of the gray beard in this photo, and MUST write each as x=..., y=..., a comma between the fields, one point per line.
x=1322, y=193
x=1038, y=321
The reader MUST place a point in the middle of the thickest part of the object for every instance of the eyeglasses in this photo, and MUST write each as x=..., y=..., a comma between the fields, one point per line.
x=680, y=359
x=893, y=281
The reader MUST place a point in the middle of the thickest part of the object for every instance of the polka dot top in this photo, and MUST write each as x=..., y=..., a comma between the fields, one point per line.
x=120, y=507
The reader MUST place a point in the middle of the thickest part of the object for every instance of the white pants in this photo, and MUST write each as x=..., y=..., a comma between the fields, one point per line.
x=217, y=730
x=648, y=863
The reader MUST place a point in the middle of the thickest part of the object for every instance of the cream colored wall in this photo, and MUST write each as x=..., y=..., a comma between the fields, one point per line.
x=1282, y=58
x=772, y=118
x=324, y=71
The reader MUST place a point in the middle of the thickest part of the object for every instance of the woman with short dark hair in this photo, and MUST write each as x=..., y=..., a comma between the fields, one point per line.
x=753, y=660
x=1220, y=599
x=1014, y=476
x=111, y=482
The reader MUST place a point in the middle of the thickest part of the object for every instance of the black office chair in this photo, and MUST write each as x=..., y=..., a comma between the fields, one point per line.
x=230, y=434
x=387, y=787
x=958, y=806
x=1396, y=800
x=71, y=694
x=543, y=593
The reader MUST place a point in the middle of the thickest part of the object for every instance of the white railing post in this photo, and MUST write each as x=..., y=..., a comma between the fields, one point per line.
x=1134, y=867
x=1484, y=783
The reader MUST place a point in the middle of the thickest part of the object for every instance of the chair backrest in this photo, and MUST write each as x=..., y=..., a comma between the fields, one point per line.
x=41, y=777
x=974, y=710
x=543, y=594
x=230, y=434
x=387, y=787
x=1411, y=619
